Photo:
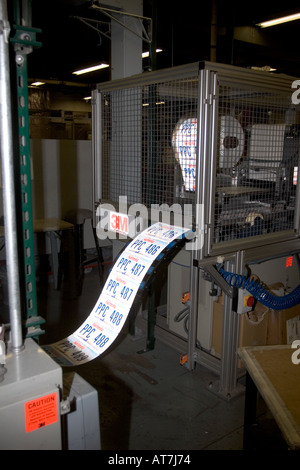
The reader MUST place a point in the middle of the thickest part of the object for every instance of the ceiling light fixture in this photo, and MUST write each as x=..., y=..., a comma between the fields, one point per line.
x=90, y=69
x=158, y=103
x=146, y=54
x=37, y=83
x=265, y=68
x=276, y=21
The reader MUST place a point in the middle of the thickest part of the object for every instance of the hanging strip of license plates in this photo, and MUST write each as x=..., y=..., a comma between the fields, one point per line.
x=131, y=273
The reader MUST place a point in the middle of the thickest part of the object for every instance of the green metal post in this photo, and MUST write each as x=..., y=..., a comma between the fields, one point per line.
x=24, y=41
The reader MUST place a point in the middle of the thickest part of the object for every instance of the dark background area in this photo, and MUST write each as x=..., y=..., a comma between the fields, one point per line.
x=183, y=31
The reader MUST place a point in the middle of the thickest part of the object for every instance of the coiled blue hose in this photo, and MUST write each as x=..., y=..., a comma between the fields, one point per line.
x=260, y=293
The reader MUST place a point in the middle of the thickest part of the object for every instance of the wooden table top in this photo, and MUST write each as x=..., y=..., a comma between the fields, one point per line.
x=46, y=225
x=50, y=225
x=277, y=379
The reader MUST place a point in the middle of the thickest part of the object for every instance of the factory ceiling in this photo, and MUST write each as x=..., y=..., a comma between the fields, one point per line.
x=183, y=33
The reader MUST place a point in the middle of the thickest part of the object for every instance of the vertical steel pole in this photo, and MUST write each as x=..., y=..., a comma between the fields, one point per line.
x=9, y=193
x=230, y=342
x=193, y=314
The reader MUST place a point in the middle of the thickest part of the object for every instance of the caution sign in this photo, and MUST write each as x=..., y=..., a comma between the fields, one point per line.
x=41, y=412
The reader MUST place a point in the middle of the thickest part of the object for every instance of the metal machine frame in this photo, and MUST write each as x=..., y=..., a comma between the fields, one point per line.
x=211, y=83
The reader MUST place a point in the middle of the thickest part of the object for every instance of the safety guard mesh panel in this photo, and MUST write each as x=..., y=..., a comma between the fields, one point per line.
x=149, y=151
x=141, y=156
x=257, y=156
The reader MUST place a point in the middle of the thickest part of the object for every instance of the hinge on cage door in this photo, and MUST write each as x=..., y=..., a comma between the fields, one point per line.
x=210, y=99
x=207, y=227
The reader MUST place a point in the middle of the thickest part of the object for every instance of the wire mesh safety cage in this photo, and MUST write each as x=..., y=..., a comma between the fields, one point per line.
x=142, y=155
x=257, y=163
x=152, y=150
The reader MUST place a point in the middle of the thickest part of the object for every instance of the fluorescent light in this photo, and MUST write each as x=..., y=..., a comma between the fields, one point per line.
x=158, y=103
x=276, y=21
x=87, y=98
x=265, y=68
x=146, y=54
x=38, y=83
x=90, y=69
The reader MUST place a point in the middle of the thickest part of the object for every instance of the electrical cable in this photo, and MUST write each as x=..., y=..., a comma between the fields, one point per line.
x=183, y=315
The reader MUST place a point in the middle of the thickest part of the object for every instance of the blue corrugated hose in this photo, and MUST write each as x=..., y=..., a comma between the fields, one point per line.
x=260, y=293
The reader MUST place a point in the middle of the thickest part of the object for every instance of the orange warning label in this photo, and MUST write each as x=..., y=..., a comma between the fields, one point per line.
x=40, y=412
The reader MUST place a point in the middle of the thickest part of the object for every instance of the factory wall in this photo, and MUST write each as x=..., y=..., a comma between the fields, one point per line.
x=61, y=180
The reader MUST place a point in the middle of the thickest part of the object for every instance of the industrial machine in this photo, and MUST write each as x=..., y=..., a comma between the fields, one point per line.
x=208, y=147
x=43, y=409
x=214, y=148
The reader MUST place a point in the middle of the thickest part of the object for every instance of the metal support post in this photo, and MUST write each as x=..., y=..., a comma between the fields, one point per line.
x=24, y=41
x=228, y=386
x=231, y=321
x=192, y=335
x=9, y=193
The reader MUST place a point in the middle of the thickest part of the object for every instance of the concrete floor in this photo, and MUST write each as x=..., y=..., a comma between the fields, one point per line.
x=148, y=401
